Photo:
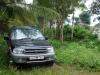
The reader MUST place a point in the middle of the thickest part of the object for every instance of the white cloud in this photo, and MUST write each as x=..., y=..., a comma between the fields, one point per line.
x=77, y=12
x=88, y=3
x=94, y=20
x=28, y=1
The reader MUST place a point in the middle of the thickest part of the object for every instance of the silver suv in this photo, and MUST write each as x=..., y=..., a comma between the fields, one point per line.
x=28, y=45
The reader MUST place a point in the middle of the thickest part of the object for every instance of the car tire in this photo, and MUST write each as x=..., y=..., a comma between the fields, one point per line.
x=51, y=63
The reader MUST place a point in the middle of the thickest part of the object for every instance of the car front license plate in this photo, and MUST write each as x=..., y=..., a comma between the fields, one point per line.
x=36, y=57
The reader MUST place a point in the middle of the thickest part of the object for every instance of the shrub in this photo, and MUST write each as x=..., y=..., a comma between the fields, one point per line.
x=80, y=33
x=51, y=33
x=3, y=52
x=67, y=32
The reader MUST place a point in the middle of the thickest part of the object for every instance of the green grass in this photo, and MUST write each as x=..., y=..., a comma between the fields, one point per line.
x=81, y=55
x=55, y=70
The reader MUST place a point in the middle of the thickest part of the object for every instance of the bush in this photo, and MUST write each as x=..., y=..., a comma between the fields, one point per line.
x=49, y=32
x=3, y=52
x=80, y=33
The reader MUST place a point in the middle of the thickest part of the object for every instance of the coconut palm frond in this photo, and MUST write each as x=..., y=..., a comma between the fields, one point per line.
x=45, y=12
x=29, y=14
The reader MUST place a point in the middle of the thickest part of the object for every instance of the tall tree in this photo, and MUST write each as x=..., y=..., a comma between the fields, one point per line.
x=63, y=7
x=45, y=12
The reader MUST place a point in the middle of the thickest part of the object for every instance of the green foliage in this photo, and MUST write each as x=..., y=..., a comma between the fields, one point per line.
x=63, y=7
x=3, y=52
x=83, y=55
x=14, y=14
x=67, y=32
x=50, y=32
x=42, y=11
x=80, y=33
x=3, y=14
x=3, y=27
x=6, y=13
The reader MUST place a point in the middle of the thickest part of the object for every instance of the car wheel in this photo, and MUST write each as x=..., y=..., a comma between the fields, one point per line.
x=50, y=63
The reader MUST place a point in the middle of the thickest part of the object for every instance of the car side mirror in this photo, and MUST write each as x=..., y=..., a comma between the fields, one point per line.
x=6, y=38
x=46, y=38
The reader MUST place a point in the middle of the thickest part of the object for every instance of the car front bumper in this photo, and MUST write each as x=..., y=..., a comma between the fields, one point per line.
x=22, y=58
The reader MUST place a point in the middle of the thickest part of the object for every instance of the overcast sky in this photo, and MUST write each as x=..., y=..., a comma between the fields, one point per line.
x=88, y=4
x=28, y=1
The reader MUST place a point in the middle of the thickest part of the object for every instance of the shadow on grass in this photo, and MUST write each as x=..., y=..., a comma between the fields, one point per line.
x=31, y=66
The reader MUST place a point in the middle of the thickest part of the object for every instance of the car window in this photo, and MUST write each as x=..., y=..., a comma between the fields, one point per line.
x=22, y=33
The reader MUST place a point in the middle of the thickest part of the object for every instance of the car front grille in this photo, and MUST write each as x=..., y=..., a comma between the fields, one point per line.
x=35, y=51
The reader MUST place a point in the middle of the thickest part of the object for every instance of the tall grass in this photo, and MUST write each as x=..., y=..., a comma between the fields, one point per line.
x=3, y=52
x=84, y=55
x=55, y=70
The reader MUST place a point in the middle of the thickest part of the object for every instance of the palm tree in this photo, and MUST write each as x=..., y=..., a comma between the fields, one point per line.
x=18, y=12
x=63, y=7
x=6, y=12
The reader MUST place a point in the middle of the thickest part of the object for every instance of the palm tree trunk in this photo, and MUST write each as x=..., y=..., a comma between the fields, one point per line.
x=51, y=29
x=60, y=30
x=61, y=33
x=42, y=23
x=72, y=34
x=3, y=26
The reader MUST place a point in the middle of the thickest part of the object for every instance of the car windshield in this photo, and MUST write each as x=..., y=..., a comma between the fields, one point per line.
x=24, y=33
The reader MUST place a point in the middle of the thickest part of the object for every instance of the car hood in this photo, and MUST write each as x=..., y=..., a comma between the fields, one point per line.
x=30, y=43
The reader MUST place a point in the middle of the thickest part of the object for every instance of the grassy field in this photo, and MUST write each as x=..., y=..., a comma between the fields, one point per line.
x=83, y=56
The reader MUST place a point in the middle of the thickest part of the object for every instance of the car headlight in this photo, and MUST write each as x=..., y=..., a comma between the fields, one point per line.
x=51, y=50
x=18, y=51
